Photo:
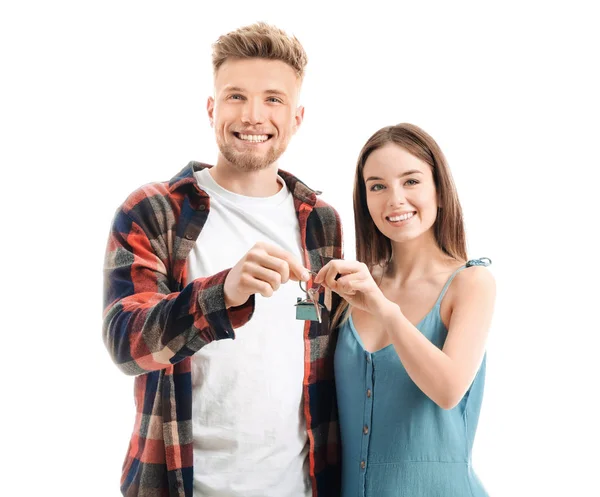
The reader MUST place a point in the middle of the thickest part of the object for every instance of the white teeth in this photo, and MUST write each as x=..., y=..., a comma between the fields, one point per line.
x=403, y=217
x=254, y=138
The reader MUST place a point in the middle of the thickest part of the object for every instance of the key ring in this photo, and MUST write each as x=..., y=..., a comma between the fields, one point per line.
x=309, y=309
x=307, y=290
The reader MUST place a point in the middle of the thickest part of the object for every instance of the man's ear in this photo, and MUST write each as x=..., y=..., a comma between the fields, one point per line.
x=298, y=118
x=210, y=109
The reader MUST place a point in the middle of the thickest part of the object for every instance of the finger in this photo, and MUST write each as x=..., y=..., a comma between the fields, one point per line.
x=345, y=290
x=250, y=285
x=344, y=283
x=322, y=272
x=257, y=274
x=362, y=286
x=340, y=268
x=348, y=284
x=329, y=278
x=345, y=294
x=262, y=288
x=321, y=276
x=297, y=270
x=273, y=263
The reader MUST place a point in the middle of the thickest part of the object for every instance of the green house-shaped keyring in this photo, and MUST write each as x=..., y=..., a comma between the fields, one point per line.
x=309, y=309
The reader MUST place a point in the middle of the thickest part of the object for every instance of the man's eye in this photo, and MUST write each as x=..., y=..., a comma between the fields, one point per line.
x=274, y=100
x=236, y=97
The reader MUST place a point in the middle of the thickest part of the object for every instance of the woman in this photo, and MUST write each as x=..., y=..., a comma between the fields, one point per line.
x=409, y=361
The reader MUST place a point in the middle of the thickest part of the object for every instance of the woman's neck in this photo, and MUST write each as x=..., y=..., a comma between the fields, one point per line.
x=417, y=259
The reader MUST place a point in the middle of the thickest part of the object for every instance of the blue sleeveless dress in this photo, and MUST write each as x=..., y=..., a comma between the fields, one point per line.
x=396, y=442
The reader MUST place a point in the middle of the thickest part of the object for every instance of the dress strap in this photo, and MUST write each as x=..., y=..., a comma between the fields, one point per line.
x=484, y=261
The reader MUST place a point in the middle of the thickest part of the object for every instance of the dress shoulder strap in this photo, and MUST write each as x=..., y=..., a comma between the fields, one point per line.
x=484, y=261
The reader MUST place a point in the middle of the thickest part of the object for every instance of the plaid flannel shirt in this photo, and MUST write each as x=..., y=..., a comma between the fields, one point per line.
x=154, y=320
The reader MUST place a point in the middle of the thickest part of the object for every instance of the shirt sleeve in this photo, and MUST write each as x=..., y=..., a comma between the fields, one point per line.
x=148, y=327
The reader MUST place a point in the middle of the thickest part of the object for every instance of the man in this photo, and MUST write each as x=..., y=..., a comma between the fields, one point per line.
x=234, y=395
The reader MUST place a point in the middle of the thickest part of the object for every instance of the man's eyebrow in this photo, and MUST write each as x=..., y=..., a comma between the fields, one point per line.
x=276, y=92
x=234, y=88
x=407, y=173
x=270, y=91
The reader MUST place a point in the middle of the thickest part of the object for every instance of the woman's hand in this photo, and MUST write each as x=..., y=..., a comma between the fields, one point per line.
x=353, y=282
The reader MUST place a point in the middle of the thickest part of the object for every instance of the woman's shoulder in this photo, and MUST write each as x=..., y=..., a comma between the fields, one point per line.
x=474, y=278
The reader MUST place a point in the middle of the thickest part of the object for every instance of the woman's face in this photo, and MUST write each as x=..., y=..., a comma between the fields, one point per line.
x=401, y=194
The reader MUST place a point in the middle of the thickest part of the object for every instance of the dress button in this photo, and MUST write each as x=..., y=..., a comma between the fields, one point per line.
x=189, y=236
x=366, y=429
x=202, y=207
x=368, y=357
x=369, y=393
x=363, y=464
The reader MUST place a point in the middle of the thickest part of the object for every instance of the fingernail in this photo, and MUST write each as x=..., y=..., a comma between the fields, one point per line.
x=305, y=276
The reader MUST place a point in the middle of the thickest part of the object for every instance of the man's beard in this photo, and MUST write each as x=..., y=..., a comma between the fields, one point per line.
x=249, y=161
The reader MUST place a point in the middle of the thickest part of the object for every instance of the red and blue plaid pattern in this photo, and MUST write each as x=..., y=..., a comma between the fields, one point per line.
x=155, y=320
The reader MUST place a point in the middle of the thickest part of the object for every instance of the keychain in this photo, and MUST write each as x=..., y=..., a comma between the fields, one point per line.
x=309, y=309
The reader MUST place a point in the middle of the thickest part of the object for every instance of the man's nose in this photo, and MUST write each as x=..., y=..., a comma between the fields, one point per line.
x=253, y=112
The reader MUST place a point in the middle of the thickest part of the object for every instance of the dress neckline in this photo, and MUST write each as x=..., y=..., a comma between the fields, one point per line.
x=436, y=306
x=362, y=345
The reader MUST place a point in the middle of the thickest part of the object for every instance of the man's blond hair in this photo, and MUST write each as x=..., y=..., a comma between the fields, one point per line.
x=260, y=40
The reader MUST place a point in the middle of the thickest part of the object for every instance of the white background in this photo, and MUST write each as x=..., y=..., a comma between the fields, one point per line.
x=98, y=98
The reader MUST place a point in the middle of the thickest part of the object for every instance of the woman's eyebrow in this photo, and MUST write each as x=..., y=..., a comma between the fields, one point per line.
x=407, y=173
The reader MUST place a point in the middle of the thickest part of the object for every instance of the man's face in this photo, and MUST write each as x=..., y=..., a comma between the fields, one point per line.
x=254, y=111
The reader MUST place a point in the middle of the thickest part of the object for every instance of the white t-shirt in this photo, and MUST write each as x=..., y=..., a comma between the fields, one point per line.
x=247, y=412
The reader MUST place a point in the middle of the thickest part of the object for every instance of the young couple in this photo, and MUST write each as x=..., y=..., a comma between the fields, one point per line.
x=234, y=395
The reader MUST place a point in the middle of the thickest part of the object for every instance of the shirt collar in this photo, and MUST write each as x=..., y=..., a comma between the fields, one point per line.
x=299, y=189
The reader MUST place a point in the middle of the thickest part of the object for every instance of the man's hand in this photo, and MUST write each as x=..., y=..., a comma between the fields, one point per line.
x=262, y=270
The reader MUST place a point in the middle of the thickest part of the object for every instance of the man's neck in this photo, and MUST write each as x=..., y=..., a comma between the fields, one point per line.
x=262, y=183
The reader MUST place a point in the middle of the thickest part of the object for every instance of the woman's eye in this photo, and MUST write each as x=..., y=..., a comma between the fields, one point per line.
x=412, y=182
x=376, y=187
